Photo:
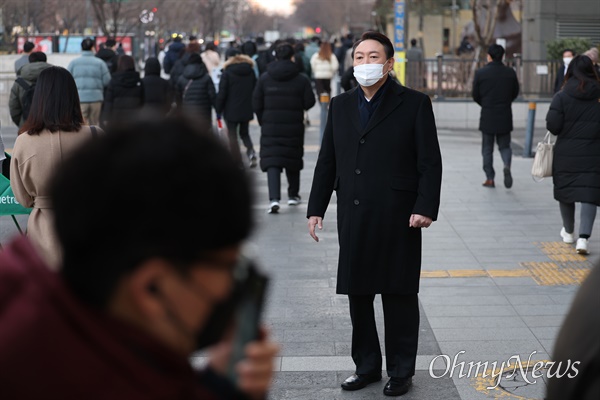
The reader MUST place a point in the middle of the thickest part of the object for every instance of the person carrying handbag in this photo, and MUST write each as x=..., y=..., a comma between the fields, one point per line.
x=574, y=116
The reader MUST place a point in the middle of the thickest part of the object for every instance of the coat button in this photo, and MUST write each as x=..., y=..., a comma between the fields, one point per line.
x=356, y=202
x=362, y=141
x=357, y=171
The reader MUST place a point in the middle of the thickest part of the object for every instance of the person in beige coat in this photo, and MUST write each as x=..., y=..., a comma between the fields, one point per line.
x=53, y=130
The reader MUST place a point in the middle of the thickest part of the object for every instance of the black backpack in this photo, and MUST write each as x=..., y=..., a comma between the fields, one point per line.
x=27, y=97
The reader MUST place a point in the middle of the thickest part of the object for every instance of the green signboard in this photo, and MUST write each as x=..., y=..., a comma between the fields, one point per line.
x=8, y=204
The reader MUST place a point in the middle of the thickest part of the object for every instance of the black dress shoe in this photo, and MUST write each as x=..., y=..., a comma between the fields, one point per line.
x=397, y=386
x=356, y=382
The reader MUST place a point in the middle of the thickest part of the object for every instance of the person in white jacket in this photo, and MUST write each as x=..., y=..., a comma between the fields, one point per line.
x=324, y=66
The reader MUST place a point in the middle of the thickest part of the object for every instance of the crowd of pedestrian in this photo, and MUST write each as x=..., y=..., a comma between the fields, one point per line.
x=151, y=293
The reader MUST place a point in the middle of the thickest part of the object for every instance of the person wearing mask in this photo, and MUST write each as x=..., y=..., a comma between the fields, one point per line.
x=279, y=101
x=381, y=155
x=157, y=91
x=125, y=93
x=567, y=56
x=196, y=90
x=54, y=129
x=21, y=93
x=134, y=301
x=91, y=76
x=574, y=116
x=28, y=48
x=234, y=101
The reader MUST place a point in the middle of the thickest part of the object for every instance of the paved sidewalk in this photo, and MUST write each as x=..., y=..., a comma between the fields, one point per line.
x=496, y=282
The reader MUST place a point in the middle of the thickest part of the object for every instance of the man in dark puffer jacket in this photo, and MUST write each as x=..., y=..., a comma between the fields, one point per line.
x=196, y=89
x=279, y=101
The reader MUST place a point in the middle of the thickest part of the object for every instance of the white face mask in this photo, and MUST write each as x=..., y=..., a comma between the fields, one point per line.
x=567, y=60
x=368, y=74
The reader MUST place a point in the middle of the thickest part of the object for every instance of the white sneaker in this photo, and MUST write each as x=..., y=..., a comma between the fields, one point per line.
x=581, y=246
x=294, y=201
x=273, y=207
x=566, y=236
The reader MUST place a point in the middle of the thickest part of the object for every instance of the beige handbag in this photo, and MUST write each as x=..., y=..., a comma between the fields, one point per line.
x=542, y=162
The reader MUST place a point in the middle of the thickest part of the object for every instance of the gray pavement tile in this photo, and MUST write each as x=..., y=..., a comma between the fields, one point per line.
x=530, y=299
x=543, y=320
x=314, y=335
x=442, y=293
x=525, y=281
x=289, y=323
x=469, y=311
x=542, y=290
x=546, y=332
x=457, y=282
x=476, y=322
x=548, y=345
x=547, y=309
x=467, y=334
x=317, y=348
x=492, y=300
x=563, y=298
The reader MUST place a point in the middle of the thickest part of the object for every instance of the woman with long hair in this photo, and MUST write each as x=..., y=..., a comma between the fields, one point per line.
x=124, y=94
x=53, y=130
x=574, y=116
x=324, y=65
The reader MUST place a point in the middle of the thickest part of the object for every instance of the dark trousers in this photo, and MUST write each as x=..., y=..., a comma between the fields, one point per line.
x=401, y=321
x=487, y=151
x=244, y=132
x=274, y=180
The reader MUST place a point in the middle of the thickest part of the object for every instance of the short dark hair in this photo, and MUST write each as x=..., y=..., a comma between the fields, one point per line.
x=87, y=44
x=125, y=63
x=193, y=38
x=413, y=42
x=110, y=42
x=249, y=48
x=190, y=199
x=569, y=50
x=38, y=56
x=581, y=68
x=388, y=47
x=55, y=105
x=28, y=46
x=496, y=52
x=284, y=51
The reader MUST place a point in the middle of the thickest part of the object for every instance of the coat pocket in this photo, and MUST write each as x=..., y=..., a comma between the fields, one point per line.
x=404, y=183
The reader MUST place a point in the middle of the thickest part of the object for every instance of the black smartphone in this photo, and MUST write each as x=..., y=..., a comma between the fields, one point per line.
x=248, y=314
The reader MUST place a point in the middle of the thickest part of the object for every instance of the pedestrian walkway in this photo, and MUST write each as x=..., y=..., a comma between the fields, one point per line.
x=496, y=283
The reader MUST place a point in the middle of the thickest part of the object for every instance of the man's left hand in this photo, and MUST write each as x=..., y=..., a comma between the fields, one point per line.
x=419, y=221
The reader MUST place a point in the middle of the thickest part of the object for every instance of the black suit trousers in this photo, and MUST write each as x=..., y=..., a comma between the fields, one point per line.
x=401, y=322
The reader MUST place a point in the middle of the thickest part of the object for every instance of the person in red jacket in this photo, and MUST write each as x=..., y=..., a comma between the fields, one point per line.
x=133, y=301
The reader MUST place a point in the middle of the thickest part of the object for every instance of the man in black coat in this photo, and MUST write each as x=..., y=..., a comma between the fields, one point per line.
x=567, y=55
x=279, y=101
x=495, y=88
x=380, y=153
x=108, y=55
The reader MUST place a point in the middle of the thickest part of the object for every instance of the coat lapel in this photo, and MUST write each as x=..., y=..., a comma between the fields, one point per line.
x=391, y=100
x=352, y=108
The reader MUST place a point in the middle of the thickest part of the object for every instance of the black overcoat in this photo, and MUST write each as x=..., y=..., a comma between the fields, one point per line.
x=494, y=88
x=574, y=116
x=279, y=100
x=381, y=174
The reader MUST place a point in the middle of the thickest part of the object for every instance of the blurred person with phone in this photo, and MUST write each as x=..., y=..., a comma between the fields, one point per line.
x=152, y=272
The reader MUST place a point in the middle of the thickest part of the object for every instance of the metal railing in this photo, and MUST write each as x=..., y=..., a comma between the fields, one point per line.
x=452, y=77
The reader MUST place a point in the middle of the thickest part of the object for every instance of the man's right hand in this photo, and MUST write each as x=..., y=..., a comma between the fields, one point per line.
x=312, y=223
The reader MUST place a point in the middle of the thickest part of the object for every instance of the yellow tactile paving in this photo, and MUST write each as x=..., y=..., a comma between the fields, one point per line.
x=467, y=273
x=565, y=268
